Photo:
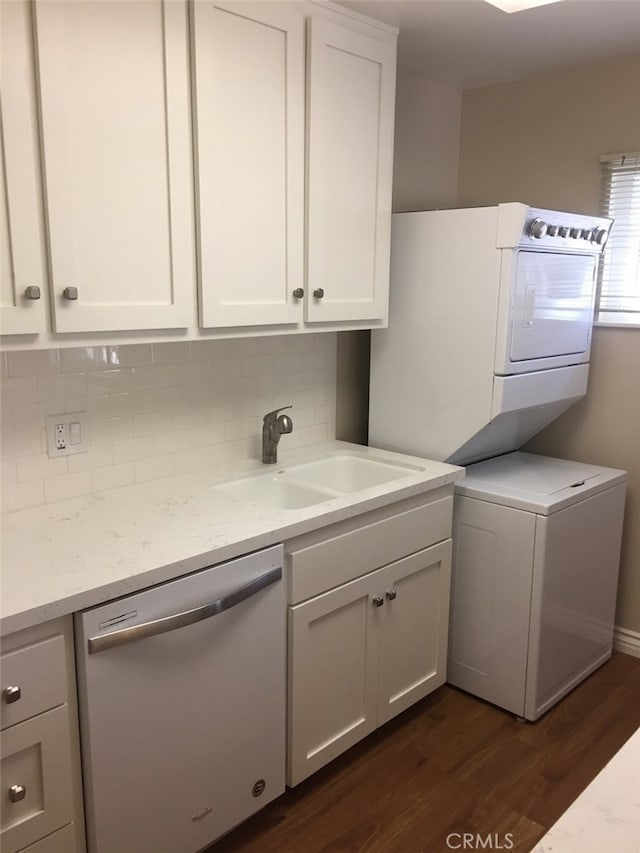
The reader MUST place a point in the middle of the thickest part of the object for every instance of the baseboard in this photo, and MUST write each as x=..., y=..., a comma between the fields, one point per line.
x=626, y=641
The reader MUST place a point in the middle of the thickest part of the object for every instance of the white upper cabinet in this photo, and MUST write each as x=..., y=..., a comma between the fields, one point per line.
x=116, y=147
x=351, y=94
x=255, y=86
x=145, y=141
x=249, y=126
x=22, y=259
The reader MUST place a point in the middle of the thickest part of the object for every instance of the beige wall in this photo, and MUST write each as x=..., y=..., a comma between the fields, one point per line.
x=425, y=173
x=425, y=176
x=539, y=141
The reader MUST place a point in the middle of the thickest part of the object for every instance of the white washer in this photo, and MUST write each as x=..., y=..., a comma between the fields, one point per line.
x=536, y=557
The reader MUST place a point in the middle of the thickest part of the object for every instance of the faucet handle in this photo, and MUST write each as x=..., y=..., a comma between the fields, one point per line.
x=271, y=416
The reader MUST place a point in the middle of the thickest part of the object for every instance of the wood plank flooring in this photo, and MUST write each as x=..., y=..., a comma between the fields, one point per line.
x=453, y=764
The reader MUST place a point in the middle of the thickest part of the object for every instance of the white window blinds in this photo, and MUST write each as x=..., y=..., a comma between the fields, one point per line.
x=619, y=274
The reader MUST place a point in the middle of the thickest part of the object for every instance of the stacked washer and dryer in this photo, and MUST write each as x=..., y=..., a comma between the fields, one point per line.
x=489, y=341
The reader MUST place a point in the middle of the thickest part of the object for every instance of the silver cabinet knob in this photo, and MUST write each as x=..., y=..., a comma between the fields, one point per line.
x=318, y=293
x=70, y=293
x=17, y=793
x=11, y=694
x=378, y=601
x=391, y=594
x=298, y=293
x=32, y=292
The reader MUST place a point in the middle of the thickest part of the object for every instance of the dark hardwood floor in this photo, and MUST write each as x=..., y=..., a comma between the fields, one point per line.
x=454, y=764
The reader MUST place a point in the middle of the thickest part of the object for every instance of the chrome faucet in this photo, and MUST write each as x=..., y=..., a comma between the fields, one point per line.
x=273, y=426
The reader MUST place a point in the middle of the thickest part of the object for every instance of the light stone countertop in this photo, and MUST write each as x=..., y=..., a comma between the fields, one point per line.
x=606, y=815
x=65, y=556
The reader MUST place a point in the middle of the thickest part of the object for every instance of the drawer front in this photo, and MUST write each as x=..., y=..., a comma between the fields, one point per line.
x=34, y=679
x=35, y=778
x=62, y=841
x=339, y=559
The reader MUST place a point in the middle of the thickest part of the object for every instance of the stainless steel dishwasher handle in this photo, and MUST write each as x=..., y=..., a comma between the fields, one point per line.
x=181, y=620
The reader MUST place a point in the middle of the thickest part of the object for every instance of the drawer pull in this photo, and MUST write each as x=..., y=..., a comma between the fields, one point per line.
x=378, y=601
x=17, y=793
x=391, y=594
x=11, y=694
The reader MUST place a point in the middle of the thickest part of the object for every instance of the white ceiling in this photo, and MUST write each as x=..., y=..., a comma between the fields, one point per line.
x=469, y=43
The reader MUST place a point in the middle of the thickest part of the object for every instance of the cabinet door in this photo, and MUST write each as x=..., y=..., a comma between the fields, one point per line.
x=333, y=660
x=249, y=117
x=36, y=779
x=414, y=628
x=114, y=88
x=351, y=91
x=22, y=265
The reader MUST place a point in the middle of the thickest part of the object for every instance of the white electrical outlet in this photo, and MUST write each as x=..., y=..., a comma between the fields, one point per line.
x=67, y=434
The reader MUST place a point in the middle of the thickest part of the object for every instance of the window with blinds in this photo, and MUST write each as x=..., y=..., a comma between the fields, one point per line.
x=619, y=273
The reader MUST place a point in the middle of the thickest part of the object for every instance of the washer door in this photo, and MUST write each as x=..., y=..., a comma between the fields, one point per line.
x=552, y=305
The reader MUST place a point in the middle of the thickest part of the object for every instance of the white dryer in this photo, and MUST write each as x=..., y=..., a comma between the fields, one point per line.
x=536, y=555
x=489, y=334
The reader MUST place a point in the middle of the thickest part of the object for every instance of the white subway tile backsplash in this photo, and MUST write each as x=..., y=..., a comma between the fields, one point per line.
x=20, y=443
x=69, y=486
x=81, y=359
x=23, y=389
x=157, y=409
x=153, y=468
x=131, y=449
x=61, y=386
x=204, y=436
x=132, y=355
x=115, y=381
x=113, y=477
x=22, y=496
x=148, y=423
x=6, y=419
x=112, y=429
x=95, y=408
x=131, y=402
x=153, y=376
x=42, y=362
x=98, y=456
x=171, y=353
x=8, y=472
x=273, y=345
x=40, y=467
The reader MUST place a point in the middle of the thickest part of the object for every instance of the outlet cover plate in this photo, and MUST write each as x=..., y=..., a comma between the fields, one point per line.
x=67, y=433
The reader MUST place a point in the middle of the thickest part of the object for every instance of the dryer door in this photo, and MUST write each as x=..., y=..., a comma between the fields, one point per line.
x=552, y=305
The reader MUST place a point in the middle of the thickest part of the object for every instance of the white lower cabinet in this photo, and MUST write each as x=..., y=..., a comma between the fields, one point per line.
x=40, y=768
x=365, y=650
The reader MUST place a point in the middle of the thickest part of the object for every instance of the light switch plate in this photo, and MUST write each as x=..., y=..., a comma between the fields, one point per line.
x=67, y=433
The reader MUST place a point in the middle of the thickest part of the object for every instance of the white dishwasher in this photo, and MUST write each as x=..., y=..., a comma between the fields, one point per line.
x=182, y=707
